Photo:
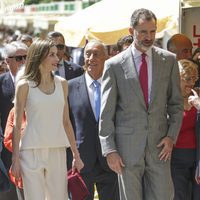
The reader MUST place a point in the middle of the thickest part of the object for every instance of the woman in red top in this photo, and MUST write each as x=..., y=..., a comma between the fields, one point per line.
x=184, y=161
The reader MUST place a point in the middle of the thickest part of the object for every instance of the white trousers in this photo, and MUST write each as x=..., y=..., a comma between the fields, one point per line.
x=44, y=173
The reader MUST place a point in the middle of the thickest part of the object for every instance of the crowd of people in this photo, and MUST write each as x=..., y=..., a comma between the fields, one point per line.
x=128, y=121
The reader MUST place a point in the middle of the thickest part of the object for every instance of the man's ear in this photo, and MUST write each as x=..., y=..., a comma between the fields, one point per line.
x=131, y=31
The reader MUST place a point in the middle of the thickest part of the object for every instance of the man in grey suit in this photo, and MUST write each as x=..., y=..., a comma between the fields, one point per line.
x=141, y=116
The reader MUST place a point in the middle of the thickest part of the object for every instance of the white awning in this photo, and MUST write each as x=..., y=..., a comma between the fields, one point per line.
x=10, y=5
x=108, y=20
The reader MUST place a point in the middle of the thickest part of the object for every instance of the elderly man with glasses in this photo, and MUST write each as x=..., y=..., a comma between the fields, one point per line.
x=66, y=69
x=15, y=55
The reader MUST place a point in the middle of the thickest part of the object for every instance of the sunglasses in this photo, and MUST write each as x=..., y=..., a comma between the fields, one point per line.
x=60, y=46
x=19, y=58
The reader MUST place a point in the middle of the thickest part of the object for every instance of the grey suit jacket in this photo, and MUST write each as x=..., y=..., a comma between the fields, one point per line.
x=126, y=126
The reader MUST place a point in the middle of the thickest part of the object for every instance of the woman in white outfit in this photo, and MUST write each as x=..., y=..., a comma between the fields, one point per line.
x=39, y=154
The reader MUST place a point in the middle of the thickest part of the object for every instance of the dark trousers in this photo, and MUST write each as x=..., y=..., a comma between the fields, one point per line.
x=106, y=183
x=14, y=193
x=183, y=165
x=10, y=195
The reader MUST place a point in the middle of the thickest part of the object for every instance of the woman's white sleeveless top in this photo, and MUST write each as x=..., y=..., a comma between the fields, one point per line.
x=44, y=113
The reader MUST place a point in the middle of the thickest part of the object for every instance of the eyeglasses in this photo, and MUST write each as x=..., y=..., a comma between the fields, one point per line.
x=18, y=58
x=189, y=79
x=60, y=46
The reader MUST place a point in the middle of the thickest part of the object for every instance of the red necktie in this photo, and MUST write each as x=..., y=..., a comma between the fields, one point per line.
x=143, y=76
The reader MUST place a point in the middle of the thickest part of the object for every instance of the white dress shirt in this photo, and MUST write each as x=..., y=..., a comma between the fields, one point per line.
x=13, y=77
x=61, y=68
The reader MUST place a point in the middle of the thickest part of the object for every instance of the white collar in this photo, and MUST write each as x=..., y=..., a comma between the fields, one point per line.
x=61, y=63
x=136, y=53
x=13, y=77
x=90, y=80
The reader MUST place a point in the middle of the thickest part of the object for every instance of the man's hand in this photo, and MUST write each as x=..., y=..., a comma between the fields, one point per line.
x=197, y=176
x=167, y=146
x=115, y=162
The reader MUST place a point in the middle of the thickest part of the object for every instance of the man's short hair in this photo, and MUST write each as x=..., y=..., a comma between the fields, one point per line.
x=125, y=40
x=141, y=13
x=55, y=34
x=26, y=37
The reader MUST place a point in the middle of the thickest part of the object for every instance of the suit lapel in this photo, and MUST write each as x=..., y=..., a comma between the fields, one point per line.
x=67, y=70
x=157, y=61
x=10, y=82
x=84, y=97
x=131, y=74
x=9, y=87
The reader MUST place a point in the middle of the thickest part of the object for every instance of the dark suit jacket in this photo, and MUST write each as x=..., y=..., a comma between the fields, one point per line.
x=4, y=179
x=7, y=91
x=198, y=143
x=85, y=125
x=197, y=84
x=72, y=70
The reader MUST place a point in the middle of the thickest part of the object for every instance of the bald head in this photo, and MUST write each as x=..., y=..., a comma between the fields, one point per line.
x=181, y=45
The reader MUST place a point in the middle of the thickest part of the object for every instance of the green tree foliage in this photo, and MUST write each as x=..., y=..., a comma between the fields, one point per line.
x=29, y=2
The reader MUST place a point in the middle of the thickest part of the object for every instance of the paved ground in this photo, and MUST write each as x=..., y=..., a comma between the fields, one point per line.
x=96, y=196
